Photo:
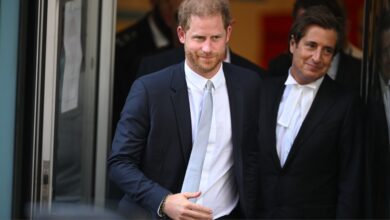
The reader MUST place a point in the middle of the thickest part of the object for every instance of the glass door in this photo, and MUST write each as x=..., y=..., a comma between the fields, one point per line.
x=376, y=81
x=76, y=86
x=75, y=102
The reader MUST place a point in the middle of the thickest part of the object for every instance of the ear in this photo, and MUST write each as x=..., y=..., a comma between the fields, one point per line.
x=292, y=44
x=229, y=30
x=181, y=34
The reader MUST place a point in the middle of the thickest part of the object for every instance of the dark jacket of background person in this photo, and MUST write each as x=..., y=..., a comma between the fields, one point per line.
x=132, y=44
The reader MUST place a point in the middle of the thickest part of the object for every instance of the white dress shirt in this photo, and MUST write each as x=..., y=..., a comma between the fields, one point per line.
x=219, y=191
x=293, y=108
x=385, y=87
x=228, y=56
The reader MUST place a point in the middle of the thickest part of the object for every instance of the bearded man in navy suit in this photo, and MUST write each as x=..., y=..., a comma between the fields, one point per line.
x=309, y=157
x=153, y=143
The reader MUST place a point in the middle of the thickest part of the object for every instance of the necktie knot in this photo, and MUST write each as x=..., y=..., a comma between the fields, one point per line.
x=209, y=85
x=298, y=98
x=304, y=87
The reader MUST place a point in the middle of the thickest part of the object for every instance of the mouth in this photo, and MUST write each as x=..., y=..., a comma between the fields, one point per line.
x=313, y=67
x=206, y=58
x=205, y=55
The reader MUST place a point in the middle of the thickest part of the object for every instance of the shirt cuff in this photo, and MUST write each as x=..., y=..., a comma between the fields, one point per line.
x=160, y=212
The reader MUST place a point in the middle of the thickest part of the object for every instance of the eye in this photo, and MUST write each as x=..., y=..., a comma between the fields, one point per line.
x=328, y=51
x=215, y=38
x=310, y=45
x=198, y=38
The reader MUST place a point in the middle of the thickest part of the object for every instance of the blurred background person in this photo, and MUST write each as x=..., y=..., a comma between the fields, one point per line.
x=155, y=32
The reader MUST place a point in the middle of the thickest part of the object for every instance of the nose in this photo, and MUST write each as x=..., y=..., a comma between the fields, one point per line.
x=206, y=47
x=317, y=55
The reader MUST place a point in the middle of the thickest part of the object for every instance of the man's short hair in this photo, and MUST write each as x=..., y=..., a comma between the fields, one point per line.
x=319, y=16
x=203, y=8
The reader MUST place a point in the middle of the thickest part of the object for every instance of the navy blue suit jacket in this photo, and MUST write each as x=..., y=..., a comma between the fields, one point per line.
x=153, y=139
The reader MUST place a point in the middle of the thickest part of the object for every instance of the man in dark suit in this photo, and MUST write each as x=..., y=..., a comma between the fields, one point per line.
x=159, y=61
x=154, y=144
x=309, y=155
x=345, y=69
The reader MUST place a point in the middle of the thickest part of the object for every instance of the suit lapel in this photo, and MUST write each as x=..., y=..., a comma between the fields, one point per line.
x=273, y=100
x=237, y=109
x=321, y=104
x=181, y=106
x=236, y=105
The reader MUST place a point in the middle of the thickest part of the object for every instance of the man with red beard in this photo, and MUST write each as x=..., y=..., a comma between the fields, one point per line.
x=180, y=145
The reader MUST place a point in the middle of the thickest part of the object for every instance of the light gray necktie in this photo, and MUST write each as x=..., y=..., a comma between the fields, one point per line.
x=194, y=168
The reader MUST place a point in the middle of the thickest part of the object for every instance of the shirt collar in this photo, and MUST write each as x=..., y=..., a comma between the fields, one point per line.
x=159, y=39
x=384, y=86
x=383, y=81
x=200, y=82
x=228, y=56
x=313, y=85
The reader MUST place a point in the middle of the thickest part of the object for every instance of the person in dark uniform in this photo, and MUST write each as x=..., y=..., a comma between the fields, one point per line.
x=153, y=33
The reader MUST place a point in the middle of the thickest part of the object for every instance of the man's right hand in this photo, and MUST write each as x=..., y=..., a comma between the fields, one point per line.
x=178, y=206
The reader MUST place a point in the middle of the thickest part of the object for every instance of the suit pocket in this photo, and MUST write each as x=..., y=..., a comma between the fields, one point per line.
x=319, y=211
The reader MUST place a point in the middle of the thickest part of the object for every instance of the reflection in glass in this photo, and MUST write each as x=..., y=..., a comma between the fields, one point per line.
x=378, y=107
x=67, y=174
x=75, y=120
x=384, y=63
